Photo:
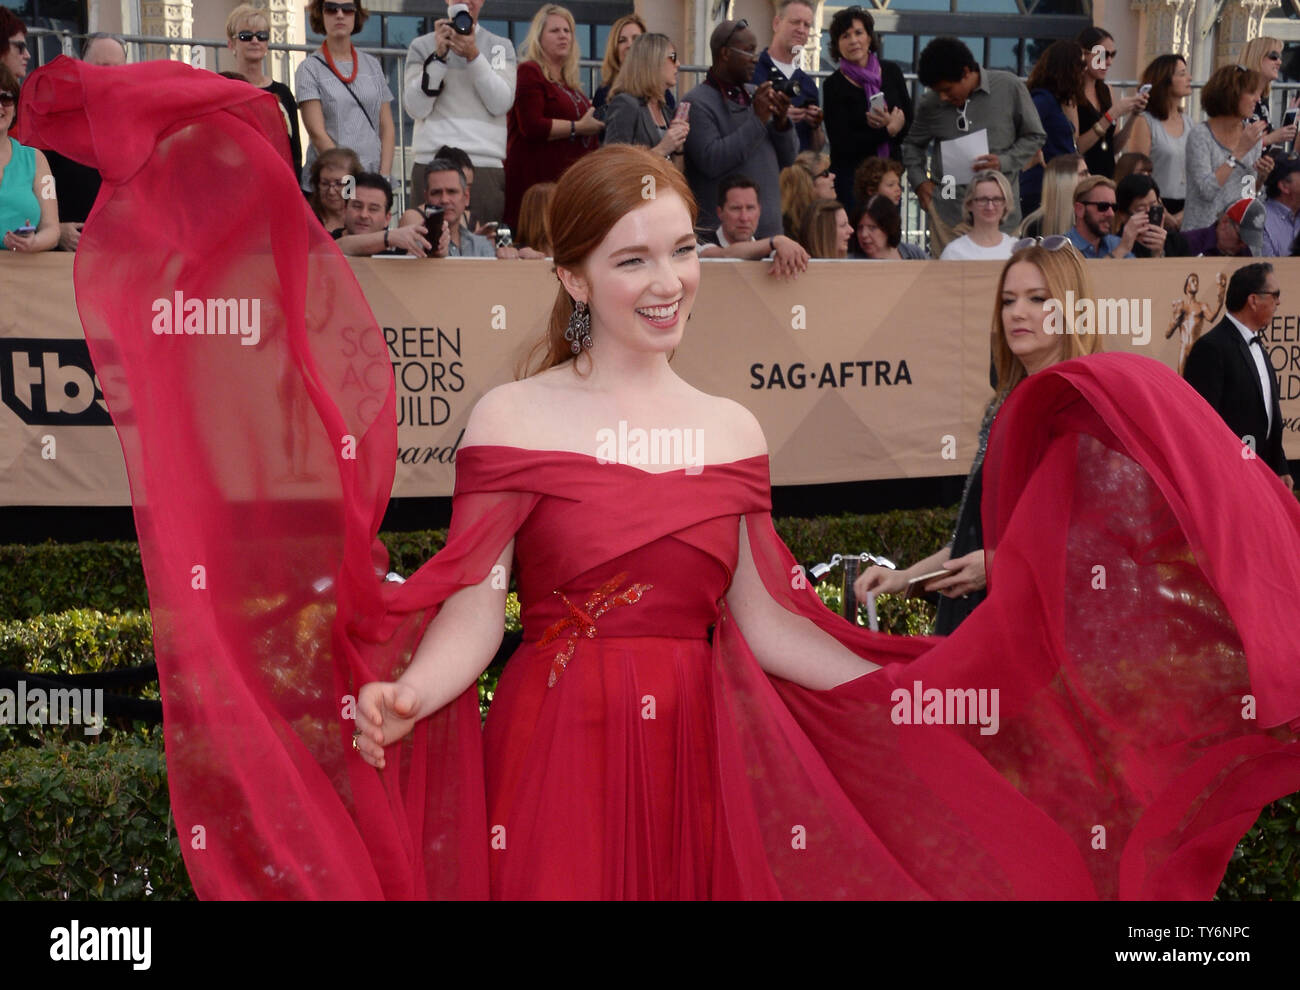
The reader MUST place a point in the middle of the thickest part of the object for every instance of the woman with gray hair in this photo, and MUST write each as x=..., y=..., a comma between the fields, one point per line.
x=638, y=109
x=987, y=203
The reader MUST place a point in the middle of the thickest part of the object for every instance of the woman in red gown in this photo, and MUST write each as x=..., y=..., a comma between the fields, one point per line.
x=684, y=718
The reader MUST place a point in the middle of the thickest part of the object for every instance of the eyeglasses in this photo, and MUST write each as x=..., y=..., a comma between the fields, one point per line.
x=1274, y=56
x=333, y=183
x=672, y=57
x=340, y=8
x=989, y=200
x=20, y=45
x=963, y=122
x=250, y=35
x=1276, y=294
x=1110, y=56
x=8, y=99
x=1052, y=242
x=824, y=173
x=1101, y=205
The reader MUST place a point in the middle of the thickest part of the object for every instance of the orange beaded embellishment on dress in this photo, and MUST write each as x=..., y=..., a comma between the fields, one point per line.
x=582, y=621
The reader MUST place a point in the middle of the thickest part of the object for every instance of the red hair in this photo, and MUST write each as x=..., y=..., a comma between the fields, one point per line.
x=595, y=193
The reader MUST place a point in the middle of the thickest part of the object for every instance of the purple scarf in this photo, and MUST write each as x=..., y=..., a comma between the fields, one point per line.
x=868, y=77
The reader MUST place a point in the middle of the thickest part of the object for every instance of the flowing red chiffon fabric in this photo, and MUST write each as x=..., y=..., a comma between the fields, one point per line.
x=1138, y=630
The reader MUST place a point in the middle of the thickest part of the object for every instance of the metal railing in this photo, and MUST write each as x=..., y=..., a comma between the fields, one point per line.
x=393, y=60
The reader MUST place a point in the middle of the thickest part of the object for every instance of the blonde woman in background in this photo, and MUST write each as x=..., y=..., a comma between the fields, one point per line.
x=826, y=230
x=552, y=123
x=637, y=112
x=625, y=31
x=248, y=35
x=1056, y=215
x=987, y=203
x=1264, y=55
x=805, y=182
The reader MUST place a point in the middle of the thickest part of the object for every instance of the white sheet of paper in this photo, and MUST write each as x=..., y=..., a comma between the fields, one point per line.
x=959, y=153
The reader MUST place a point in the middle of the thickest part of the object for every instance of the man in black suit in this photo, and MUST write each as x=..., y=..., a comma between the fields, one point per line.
x=1229, y=365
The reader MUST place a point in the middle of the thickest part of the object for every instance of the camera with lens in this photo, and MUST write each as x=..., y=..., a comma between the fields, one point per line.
x=461, y=22
x=782, y=84
x=504, y=237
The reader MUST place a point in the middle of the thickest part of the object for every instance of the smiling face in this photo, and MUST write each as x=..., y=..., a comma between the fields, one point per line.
x=1270, y=65
x=641, y=280
x=988, y=206
x=631, y=31
x=332, y=179
x=1098, y=61
x=824, y=182
x=1024, y=310
x=855, y=43
x=556, y=39
x=843, y=233
x=8, y=107
x=17, y=56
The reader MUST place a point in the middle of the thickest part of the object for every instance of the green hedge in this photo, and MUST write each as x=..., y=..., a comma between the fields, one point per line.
x=93, y=822
x=62, y=577
x=88, y=823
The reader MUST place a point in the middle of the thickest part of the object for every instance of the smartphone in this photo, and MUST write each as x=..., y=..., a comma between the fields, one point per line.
x=878, y=103
x=683, y=110
x=1289, y=117
x=433, y=216
x=1144, y=89
x=24, y=230
x=504, y=236
x=1156, y=214
x=916, y=586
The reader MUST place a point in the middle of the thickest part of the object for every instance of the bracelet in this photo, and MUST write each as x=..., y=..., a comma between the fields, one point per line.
x=771, y=245
x=573, y=130
x=1108, y=117
x=1233, y=163
x=385, y=238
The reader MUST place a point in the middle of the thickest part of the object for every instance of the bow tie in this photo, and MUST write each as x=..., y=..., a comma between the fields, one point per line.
x=1259, y=339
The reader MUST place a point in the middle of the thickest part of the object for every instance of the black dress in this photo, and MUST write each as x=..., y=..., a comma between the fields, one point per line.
x=852, y=141
x=1101, y=156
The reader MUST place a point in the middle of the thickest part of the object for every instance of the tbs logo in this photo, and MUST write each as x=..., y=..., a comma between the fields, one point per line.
x=51, y=383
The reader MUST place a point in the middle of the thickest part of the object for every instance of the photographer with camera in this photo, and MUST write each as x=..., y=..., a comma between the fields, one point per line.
x=459, y=86
x=780, y=64
x=446, y=197
x=365, y=230
x=737, y=128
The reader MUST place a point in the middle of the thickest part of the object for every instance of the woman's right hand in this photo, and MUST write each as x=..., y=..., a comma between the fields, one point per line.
x=587, y=124
x=879, y=580
x=1250, y=137
x=674, y=138
x=386, y=712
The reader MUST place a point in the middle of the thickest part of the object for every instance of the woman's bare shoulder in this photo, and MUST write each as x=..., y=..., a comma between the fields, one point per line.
x=517, y=414
x=734, y=432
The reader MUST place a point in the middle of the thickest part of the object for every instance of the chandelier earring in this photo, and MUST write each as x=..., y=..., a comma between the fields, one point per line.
x=578, y=332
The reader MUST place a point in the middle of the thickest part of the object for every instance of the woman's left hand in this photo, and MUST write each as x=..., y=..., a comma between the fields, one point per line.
x=897, y=120
x=20, y=242
x=967, y=576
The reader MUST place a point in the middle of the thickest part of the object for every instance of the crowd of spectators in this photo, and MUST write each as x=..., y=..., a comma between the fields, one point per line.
x=825, y=169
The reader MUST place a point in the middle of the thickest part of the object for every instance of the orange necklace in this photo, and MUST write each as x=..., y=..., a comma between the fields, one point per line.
x=329, y=60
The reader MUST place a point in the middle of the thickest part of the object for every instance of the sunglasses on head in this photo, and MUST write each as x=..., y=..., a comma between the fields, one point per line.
x=736, y=28
x=1052, y=242
x=250, y=35
x=340, y=8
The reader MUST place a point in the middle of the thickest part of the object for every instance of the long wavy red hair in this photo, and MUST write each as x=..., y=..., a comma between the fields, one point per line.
x=595, y=193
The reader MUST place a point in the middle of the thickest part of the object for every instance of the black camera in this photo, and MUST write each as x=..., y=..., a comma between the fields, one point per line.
x=782, y=84
x=461, y=22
